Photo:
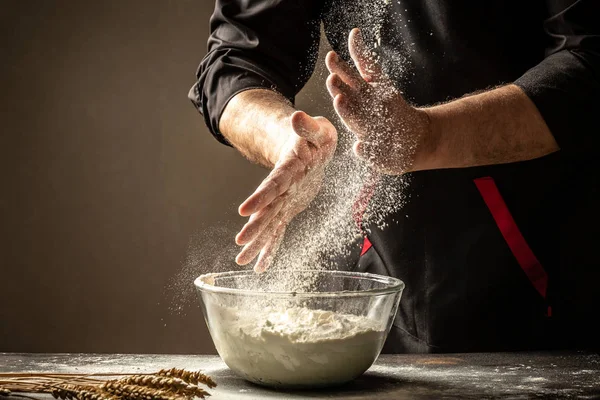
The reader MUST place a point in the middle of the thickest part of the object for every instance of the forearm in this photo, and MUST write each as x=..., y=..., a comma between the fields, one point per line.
x=256, y=122
x=495, y=127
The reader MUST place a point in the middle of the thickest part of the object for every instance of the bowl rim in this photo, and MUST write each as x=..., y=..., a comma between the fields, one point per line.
x=395, y=285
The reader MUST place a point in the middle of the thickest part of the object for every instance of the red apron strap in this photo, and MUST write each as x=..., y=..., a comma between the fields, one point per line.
x=512, y=235
x=366, y=246
x=360, y=206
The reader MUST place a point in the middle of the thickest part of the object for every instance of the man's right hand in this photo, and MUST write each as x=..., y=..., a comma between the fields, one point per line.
x=290, y=187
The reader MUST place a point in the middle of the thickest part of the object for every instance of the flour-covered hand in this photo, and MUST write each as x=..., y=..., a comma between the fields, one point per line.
x=391, y=134
x=290, y=187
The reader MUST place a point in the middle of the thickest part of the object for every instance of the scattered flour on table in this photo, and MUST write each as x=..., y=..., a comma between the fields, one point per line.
x=296, y=346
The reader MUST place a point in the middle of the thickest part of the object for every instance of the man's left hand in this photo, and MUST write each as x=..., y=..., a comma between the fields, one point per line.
x=392, y=136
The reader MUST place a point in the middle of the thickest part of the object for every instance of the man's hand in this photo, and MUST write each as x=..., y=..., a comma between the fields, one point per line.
x=290, y=187
x=498, y=126
x=391, y=135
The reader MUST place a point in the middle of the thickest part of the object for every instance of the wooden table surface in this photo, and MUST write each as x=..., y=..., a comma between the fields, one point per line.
x=564, y=375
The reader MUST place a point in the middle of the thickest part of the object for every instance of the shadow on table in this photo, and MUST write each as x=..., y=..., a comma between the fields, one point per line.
x=375, y=385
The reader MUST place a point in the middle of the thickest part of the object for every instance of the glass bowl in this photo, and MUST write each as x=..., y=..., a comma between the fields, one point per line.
x=299, y=329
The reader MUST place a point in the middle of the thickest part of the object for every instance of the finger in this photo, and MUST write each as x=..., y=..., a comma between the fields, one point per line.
x=258, y=222
x=368, y=153
x=309, y=128
x=349, y=114
x=336, y=65
x=252, y=249
x=335, y=85
x=359, y=149
x=267, y=254
x=331, y=134
x=363, y=58
x=276, y=184
x=305, y=126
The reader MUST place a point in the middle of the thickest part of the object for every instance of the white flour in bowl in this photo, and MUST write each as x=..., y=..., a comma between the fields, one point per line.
x=297, y=346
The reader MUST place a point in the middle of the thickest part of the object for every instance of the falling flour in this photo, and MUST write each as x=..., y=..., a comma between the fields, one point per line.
x=329, y=233
x=296, y=347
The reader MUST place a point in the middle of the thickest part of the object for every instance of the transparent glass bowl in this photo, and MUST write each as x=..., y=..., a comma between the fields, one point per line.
x=299, y=329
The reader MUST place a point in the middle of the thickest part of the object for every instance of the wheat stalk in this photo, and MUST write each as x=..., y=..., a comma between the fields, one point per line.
x=174, y=385
x=170, y=384
x=190, y=377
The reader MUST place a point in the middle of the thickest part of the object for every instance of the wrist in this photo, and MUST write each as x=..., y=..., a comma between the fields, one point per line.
x=428, y=151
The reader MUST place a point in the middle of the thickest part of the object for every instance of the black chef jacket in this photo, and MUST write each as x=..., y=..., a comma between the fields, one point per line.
x=494, y=258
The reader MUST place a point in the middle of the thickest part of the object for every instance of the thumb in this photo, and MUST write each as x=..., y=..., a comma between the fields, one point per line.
x=308, y=128
x=363, y=58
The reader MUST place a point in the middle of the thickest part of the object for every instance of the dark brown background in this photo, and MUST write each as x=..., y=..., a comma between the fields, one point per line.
x=109, y=179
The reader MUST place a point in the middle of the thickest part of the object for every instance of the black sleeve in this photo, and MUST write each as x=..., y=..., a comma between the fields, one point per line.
x=256, y=44
x=565, y=86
